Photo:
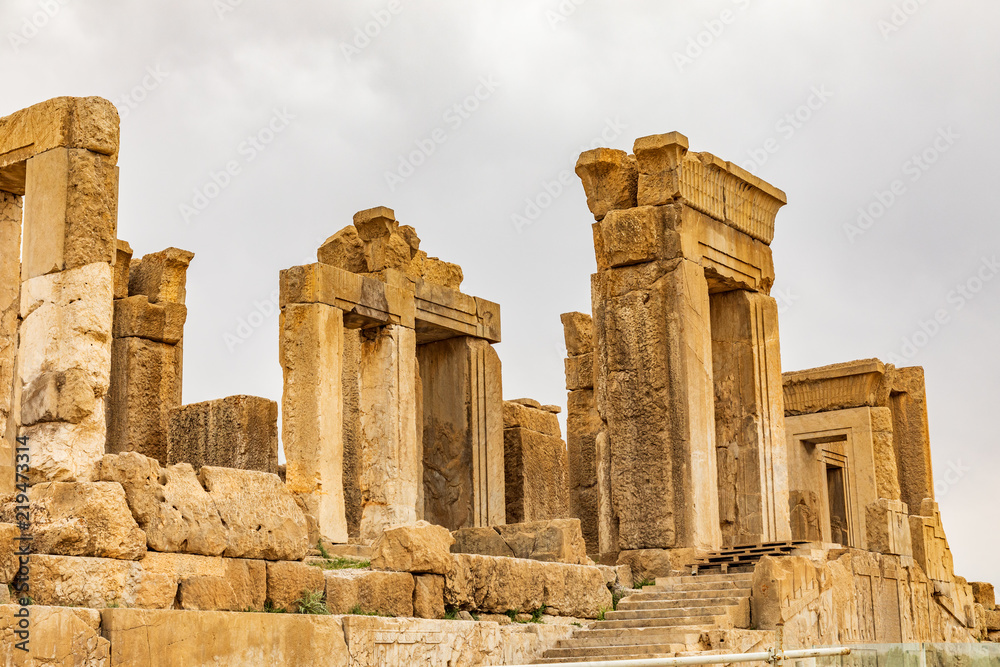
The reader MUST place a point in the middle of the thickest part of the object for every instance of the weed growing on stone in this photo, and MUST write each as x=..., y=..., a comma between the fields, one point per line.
x=311, y=602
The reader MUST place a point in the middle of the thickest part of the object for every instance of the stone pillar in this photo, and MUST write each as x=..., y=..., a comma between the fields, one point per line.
x=463, y=438
x=390, y=461
x=537, y=472
x=312, y=430
x=655, y=395
x=10, y=290
x=583, y=423
x=351, y=392
x=911, y=438
x=146, y=382
x=749, y=419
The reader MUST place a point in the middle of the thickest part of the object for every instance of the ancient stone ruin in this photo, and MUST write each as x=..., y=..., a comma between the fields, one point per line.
x=702, y=500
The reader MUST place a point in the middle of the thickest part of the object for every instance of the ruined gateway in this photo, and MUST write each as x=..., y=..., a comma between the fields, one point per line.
x=420, y=519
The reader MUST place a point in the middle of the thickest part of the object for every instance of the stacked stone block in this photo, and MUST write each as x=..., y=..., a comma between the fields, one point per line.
x=233, y=432
x=535, y=459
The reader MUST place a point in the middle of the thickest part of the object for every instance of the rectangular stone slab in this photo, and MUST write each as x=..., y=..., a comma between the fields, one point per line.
x=442, y=313
x=366, y=302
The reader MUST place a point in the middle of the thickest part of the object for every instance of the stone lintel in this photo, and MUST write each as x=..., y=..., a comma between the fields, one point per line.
x=853, y=384
x=62, y=122
x=443, y=313
x=366, y=302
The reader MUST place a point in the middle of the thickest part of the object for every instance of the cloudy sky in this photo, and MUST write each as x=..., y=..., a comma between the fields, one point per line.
x=253, y=130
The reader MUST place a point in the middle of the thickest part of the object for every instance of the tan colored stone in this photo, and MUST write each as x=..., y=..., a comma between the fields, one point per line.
x=428, y=596
x=375, y=223
x=388, y=252
x=530, y=417
x=366, y=301
x=422, y=548
x=442, y=312
x=312, y=419
x=412, y=240
x=161, y=276
x=246, y=579
x=58, y=396
x=390, y=459
x=146, y=385
x=123, y=258
x=62, y=451
x=345, y=250
x=67, y=122
x=911, y=435
x=71, y=217
x=580, y=372
x=888, y=528
x=232, y=432
x=288, y=582
x=442, y=273
x=610, y=178
x=554, y=541
x=160, y=322
x=9, y=546
x=169, y=504
x=583, y=423
x=658, y=158
x=260, y=514
x=75, y=581
x=536, y=479
x=482, y=583
x=636, y=235
x=80, y=519
x=836, y=387
x=56, y=637
x=462, y=432
x=648, y=564
x=206, y=593
x=386, y=593
x=578, y=330
x=484, y=541
x=983, y=594
x=10, y=293
x=886, y=472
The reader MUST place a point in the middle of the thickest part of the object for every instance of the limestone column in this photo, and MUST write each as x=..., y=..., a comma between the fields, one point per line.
x=390, y=458
x=749, y=419
x=10, y=289
x=463, y=440
x=312, y=430
x=655, y=395
x=911, y=439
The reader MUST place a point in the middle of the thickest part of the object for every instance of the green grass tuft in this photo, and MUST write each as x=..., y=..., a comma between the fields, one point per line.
x=311, y=602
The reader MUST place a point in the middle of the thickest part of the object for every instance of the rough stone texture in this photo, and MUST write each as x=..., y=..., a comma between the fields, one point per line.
x=984, y=594
x=463, y=464
x=9, y=545
x=170, y=505
x=84, y=582
x=658, y=159
x=58, y=637
x=10, y=294
x=851, y=384
x=442, y=273
x=161, y=276
x=66, y=325
x=260, y=514
x=648, y=564
x=749, y=419
x=312, y=423
x=374, y=223
x=888, y=528
x=583, y=423
x=423, y=548
x=911, y=435
x=123, y=258
x=610, y=179
x=387, y=593
x=390, y=459
x=484, y=541
x=145, y=386
x=351, y=397
x=239, y=583
x=655, y=394
x=580, y=372
x=233, y=432
x=555, y=541
x=530, y=416
x=80, y=519
x=578, y=331
x=428, y=596
x=288, y=581
x=500, y=584
x=58, y=396
x=160, y=322
x=345, y=250
x=886, y=471
x=71, y=217
x=536, y=469
x=69, y=122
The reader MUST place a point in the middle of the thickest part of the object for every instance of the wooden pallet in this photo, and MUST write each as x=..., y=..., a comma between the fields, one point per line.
x=742, y=558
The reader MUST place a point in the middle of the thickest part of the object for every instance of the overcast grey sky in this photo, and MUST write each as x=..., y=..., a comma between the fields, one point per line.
x=316, y=109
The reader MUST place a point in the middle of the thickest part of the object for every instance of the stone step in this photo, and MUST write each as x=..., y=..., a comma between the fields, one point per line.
x=689, y=623
x=639, y=656
x=742, y=577
x=614, y=651
x=714, y=610
x=657, y=593
x=664, y=614
x=667, y=602
x=695, y=585
x=641, y=635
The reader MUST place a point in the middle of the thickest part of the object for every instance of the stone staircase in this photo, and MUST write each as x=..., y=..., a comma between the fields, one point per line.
x=662, y=621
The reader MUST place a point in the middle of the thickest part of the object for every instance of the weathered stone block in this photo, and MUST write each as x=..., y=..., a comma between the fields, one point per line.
x=244, y=580
x=146, y=385
x=58, y=396
x=160, y=322
x=422, y=547
x=345, y=250
x=262, y=517
x=500, y=584
x=428, y=596
x=375, y=222
x=583, y=423
x=516, y=414
x=74, y=581
x=648, y=564
x=887, y=527
x=658, y=158
x=10, y=293
x=61, y=122
x=536, y=478
x=635, y=236
x=580, y=372
x=554, y=541
x=484, y=541
x=9, y=545
x=983, y=594
x=387, y=593
x=610, y=179
x=80, y=519
x=71, y=217
x=233, y=432
x=388, y=252
x=123, y=258
x=169, y=504
x=161, y=276
x=288, y=582
x=442, y=273
x=58, y=637
x=578, y=331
